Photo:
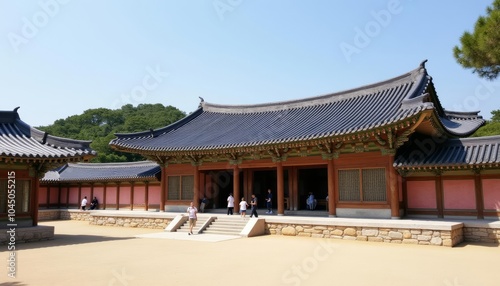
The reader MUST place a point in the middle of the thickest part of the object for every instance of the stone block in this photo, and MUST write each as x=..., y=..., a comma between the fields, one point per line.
x=424, y=237
x=350, y=231
x=436, y=241
x=304, y=234
x=362, y=238
x=410, y=241
x=369, y=232
x=338, y=232
x=290, y=231
x=376, y=239
x=395, y=235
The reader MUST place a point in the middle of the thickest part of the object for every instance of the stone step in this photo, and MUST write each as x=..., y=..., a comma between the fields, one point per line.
x=211, y=231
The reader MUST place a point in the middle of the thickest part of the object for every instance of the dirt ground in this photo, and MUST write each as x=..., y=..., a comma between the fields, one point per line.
x=82, y=254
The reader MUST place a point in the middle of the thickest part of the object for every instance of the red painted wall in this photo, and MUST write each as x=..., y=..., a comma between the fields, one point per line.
x=139, y=191
x=459, y=194
x=42, y=195
x=491, y=194
x=421, y=194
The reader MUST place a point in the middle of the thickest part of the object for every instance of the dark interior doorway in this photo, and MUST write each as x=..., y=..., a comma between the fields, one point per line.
x=313, y=180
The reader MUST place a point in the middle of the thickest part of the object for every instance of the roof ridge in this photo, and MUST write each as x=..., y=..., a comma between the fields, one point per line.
x=114, y=164
x=316, y=100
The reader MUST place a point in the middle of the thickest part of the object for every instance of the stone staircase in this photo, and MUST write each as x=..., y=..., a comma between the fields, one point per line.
x=229, y=225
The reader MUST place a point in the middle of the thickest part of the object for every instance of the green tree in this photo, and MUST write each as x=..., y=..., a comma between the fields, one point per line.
x=100, y=125
x=480, y=50
x=492, y=127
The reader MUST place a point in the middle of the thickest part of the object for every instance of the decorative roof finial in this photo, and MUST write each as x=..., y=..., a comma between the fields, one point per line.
x=15, y=109
x=201, y=101
x=422, y=64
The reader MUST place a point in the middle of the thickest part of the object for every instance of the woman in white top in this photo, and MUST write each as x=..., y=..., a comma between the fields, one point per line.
x=243, y=207
x=230, y=204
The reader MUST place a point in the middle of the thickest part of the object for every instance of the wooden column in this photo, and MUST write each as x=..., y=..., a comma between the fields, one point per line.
x=79, y=195
x=132, y=185
x=35, y=183
x=163, y=187
x=117, y=195
x=196, y=186
x=104, y=195
x=280, y=188
x=332, y=211
x=236, y=188
x=91, y=192
x=48, y=197
x=394, y=189
x=146, y=196
x=479, y=195
x=294, y=190
x=439, y=195
x=67, y=196
x=405, y=194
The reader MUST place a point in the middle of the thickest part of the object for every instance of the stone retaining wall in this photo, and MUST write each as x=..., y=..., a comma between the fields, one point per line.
x=27, y=234
x=156, y=223
x=378, y=234
x=482, y=234
x=49, y=214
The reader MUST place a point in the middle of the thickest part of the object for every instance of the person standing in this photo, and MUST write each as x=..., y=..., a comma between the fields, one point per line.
x=204, y=202
x=94, y=203
x=84, y=203
x=243, y=207
x=269, y=202
x=253, y=203
x=192, y=211
x=230, y=204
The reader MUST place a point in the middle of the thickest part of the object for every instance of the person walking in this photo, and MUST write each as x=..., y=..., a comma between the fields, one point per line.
x=253, y=203
x=269, y=202
x=192, y=211
x=243, y=207
x=230, y=204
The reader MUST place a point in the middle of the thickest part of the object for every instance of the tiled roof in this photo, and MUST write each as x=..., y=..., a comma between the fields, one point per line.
x=80, y=172
x=428, y=152
x=21, y=142
x=213, y=127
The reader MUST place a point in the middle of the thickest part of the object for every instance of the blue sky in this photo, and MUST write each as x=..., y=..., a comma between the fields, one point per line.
x=60, y=57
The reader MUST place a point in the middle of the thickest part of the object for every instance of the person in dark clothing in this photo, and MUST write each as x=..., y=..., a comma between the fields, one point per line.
x=269, y=202
x=94, y=203
x=253, y=203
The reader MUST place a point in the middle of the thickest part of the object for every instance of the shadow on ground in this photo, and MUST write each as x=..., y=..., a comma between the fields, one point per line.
x=67, y=239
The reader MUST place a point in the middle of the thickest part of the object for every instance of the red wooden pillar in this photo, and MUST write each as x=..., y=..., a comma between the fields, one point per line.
x=132, y=184
x=48, y=197
x=332, y=211
x=146, y=196
x=393, y=189
x=34, y=201
x=117, y=195
x=196, y=197
x=236, y=188
x=479, y=195
x=439, y=195
x=104, y=195
x=163, y=187
x=281, y=188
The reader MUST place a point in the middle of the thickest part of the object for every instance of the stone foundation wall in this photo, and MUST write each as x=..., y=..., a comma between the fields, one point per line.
x=27, y=234
x=388, y=235
x=49, y=214
x=155, y=223
x=482, y=234
x=75, y=215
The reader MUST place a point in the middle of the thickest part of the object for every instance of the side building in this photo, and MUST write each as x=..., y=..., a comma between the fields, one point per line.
x=26, y=153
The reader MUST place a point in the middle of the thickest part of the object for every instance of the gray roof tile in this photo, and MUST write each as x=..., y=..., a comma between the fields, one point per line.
x=434, y=153
x=20, y=141
x=71, y=172
x=217, y=126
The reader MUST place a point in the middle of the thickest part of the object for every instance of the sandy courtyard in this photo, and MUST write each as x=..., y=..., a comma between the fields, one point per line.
x=82, y=254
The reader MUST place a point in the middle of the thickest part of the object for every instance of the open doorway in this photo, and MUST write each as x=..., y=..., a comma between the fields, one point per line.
x=314, y=180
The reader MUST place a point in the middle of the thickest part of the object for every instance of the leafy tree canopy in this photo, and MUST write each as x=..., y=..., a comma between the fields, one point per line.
x=100, y=125
x=480, y=50
x=491, y=127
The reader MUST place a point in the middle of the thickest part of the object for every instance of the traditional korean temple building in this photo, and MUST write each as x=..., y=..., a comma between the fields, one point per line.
x=363, y=149
x=130, y=186
x=25, y=155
